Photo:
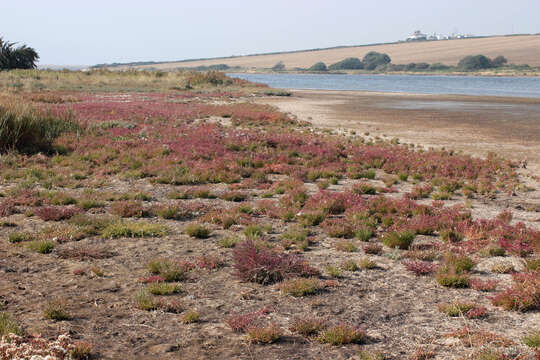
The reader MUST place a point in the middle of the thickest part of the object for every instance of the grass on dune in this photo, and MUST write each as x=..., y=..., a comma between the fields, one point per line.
x=27, y=129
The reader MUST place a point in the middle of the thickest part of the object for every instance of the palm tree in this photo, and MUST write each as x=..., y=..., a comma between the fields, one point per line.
x=11, y=57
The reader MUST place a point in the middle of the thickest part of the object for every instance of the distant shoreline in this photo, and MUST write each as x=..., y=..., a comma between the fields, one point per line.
x=533, y=74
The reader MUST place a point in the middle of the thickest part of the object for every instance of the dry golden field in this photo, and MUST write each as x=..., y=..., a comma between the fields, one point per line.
x=517, y=49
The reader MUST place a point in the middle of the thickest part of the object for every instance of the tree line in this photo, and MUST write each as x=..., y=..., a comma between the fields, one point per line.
x=380, y=61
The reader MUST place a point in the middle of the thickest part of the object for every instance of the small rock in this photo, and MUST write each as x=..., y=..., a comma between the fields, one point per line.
x=162, y=348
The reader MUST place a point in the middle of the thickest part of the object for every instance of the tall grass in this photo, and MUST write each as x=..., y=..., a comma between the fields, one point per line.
x=125, y=81
x=29, y=130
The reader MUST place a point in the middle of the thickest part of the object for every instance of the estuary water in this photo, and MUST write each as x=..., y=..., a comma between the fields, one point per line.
x=418, y=84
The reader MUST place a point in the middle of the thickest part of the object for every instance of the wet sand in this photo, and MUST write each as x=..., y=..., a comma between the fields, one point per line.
x=472, y=124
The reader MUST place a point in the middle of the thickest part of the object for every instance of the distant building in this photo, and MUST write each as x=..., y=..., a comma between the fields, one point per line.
x=417, y=36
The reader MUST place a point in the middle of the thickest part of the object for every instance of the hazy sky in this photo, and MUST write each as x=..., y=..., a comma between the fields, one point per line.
x=98, y=31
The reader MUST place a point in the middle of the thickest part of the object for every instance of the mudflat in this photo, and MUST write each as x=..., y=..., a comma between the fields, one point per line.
x=508, y=126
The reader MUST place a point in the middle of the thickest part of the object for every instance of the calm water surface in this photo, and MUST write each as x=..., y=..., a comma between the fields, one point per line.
x=419, y=84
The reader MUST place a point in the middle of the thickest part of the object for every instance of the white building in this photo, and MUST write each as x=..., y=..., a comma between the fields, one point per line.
x=416, y=36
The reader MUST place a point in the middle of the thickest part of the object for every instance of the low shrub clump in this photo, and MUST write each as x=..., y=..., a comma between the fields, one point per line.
x=532, y=339
x=127, y=209
x=373, y=249
x=300, y=287
x=308, y=326
x=167, y=270
x=451, y=236
x=173, y=212
x=420, y=268
x=190, y=317
x=87, y=204
x=163, y=288
x=458, y=263
x=481, y=285
x=81, y=350
x=454, y=271
x=345, y=246
x=350, y=265
x=364, y=189
x=452, y=280
x=296, y=236
x=333, y=271
x=235, y=196
x=197, y=231
x=420, y=192
x=342, y=334
x=401, y=240
x=17, y=237
x=367, y=264
x=55, y=213
x=134, y=230
x=533, y=264
x=145, y=301
x=8, y=325
x=264, y=334
x=241, y=322
x=229, y=242
x=253, y=232
x=41, y=246
x=56, y=310
x=364, y=234
x=266, y=266
x=338, y=228
x=462, y=309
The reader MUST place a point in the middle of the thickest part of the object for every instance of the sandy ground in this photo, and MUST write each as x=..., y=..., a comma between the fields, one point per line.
x=473, y=124
x=517, y=49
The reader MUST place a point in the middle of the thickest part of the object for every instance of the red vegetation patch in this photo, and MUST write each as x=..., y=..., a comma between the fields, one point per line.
x=127, y=209
x=265, y=266
x=241, y=322
x=209, y=262
x=484, y=285
x=56, y=213
x=523, y=295
x=420, y=267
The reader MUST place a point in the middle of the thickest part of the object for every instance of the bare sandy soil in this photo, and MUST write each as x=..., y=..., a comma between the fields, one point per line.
x=473, y=124
x=517, y=49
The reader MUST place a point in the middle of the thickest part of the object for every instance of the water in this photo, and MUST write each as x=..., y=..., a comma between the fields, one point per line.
x=419, y=84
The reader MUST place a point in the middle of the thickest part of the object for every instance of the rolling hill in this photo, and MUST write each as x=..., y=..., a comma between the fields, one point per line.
x=523, y=49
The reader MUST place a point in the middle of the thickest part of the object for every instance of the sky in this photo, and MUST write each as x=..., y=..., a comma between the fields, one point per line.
x=74, y=32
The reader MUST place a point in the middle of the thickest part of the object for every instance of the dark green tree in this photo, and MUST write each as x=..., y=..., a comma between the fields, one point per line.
x=280, y=66
x=475, y=62
x=374, y=59
x=499, y=61
x=351, y=63
x=21, y=57
x=320, y=66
